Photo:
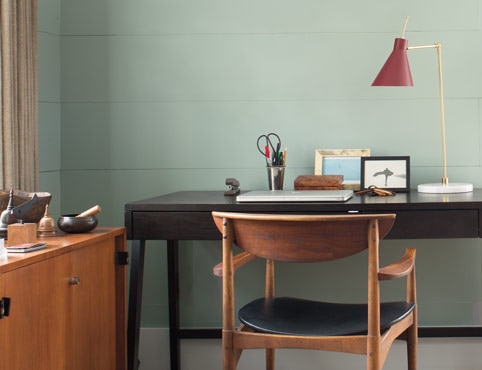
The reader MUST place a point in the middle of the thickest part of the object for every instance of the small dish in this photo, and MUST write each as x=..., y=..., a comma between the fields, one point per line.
x=76, y=225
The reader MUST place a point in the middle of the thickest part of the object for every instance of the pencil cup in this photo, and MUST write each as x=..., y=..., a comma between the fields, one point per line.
x=276, y=175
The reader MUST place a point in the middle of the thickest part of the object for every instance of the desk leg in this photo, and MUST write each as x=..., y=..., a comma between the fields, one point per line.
x=173, y=290
x=135, y=301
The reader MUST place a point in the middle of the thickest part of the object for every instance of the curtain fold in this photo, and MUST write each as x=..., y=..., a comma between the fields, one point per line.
x=19, y=126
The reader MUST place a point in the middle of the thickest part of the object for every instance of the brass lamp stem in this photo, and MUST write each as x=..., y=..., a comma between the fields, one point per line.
x=404, y=27
x=445, y=179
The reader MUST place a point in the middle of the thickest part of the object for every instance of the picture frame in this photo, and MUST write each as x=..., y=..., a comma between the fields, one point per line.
x=391, y=173
x=346, y=162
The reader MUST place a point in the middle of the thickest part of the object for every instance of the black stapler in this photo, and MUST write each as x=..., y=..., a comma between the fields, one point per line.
x=233, y=186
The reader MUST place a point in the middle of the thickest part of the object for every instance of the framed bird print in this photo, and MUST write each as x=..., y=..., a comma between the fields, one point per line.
x=391, y=173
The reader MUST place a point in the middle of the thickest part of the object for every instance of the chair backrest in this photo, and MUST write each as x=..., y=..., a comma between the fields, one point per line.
x=304, y=238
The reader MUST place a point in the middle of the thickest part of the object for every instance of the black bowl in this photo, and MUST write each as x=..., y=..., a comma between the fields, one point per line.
x=76, y=225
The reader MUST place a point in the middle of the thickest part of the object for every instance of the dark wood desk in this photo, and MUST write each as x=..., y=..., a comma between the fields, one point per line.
x=187, y=216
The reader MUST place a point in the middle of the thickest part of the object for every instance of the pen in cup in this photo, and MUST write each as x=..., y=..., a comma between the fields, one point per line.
x=276, y=155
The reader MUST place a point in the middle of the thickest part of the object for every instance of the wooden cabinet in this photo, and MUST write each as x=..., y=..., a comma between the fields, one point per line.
x=66, y=303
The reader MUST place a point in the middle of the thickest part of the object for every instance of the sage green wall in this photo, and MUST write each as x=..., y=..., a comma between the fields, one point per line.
x=158, y=96
x=49, y=100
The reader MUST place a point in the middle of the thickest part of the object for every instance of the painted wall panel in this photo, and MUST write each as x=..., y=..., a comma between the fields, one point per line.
x=159, y=96
x=267, y=16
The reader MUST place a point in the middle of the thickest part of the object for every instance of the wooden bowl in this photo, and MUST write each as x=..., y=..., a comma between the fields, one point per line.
x=19, y=197
x=76, y=225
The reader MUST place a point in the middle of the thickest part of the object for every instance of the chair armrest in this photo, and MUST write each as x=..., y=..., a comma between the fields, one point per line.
x=400, y=268
x=239, y=260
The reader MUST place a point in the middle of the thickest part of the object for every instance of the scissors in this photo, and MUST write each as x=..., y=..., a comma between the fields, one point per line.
x=272, y=145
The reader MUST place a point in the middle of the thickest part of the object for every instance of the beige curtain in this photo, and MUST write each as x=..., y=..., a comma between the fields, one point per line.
x=19, y=126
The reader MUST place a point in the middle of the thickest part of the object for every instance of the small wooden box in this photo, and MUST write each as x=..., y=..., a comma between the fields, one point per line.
x=319, y=182
x=21, y=233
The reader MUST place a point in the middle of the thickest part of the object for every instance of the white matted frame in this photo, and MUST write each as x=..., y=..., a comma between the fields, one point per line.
x=346, y=162
x=392, y=173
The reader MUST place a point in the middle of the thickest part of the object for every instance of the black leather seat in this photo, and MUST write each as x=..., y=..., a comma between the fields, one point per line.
x=294, y=316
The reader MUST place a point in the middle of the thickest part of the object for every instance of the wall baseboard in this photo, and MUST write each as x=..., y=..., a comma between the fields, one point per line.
x=205, y=354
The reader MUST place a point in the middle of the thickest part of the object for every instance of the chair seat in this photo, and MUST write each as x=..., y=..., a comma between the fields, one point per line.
x=294, y=316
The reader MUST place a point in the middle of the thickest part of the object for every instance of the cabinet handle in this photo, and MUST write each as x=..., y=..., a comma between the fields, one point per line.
x=75, y=280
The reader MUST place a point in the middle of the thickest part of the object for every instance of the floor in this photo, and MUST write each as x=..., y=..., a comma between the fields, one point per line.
x=434, y=354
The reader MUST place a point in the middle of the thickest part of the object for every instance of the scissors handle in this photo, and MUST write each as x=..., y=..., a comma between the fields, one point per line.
x=272, y=158
x=263, y=150
x=275, y=160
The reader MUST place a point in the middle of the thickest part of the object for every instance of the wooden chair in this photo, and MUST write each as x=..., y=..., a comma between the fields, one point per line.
x=274, y=322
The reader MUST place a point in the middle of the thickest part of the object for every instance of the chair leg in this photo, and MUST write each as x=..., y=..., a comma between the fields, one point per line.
x=228, y=360
x=270, y=358
x=373, y=355
x=373, y=363
x=412, y=339
x=229, y=357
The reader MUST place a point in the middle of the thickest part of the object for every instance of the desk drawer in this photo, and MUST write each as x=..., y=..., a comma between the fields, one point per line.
x=174, y=226
x=423, y=224
x=436, y=224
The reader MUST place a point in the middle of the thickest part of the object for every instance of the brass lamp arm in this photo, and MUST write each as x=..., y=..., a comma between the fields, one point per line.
x=442, y=113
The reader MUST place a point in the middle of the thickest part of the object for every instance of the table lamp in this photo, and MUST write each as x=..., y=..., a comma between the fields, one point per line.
x=396, y=72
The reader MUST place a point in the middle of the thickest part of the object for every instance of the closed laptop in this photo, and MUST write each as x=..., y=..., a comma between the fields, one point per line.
x=295, y=196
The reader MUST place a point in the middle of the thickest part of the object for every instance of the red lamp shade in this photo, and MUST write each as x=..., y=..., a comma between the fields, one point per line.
x=396, y=70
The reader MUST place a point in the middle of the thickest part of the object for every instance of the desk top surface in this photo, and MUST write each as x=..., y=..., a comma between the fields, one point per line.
x=204, y=201
x=186, y=215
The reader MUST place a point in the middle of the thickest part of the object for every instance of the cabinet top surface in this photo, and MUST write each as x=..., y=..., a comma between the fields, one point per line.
x=61, y=244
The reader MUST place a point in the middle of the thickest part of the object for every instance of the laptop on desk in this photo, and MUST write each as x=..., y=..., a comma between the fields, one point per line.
x=295, y=196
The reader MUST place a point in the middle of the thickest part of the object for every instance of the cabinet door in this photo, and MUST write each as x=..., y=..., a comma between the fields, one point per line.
x=33, y=335
x=92, y=338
